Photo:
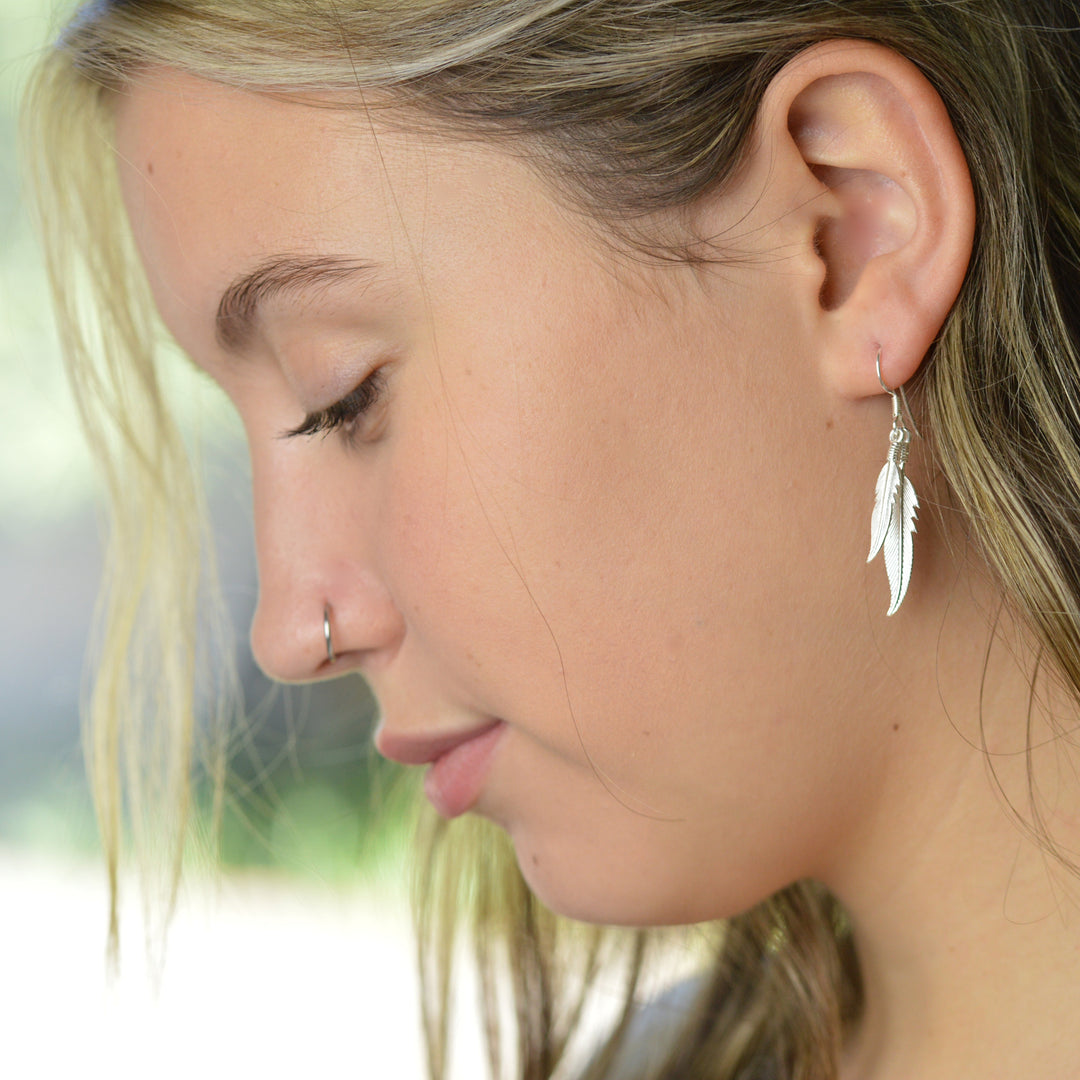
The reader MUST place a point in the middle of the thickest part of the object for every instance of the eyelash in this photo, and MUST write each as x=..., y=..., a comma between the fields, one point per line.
x=345, y=416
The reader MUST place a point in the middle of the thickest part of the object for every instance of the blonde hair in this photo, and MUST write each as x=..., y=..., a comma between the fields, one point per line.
x=631, y=108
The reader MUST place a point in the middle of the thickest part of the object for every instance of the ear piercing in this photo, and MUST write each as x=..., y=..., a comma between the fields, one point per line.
x=895, y=503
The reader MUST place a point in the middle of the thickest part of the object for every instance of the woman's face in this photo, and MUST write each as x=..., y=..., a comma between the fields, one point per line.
x=600, y=500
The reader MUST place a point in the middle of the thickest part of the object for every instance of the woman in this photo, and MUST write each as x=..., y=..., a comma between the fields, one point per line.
x=570, y=341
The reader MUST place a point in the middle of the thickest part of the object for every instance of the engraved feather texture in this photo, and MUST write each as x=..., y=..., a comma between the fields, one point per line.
x=893, y=526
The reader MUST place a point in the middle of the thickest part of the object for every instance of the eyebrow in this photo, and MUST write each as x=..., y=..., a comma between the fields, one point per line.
x=238, y=309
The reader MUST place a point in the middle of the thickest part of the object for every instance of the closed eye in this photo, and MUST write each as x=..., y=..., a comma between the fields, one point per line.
x=346, y=415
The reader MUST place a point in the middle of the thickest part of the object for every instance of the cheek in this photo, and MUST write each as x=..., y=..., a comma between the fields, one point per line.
x=449, y=552
x=589, y=553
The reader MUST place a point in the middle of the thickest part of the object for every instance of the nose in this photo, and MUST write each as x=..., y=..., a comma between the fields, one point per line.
x=316, y=543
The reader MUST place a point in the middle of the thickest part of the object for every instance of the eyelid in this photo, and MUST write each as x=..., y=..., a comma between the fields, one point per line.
x=349, y=409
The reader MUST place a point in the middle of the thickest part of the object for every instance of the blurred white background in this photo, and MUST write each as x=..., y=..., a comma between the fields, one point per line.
x=298, y=958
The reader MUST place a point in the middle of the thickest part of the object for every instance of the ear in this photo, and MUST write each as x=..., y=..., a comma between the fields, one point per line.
x=889, y=234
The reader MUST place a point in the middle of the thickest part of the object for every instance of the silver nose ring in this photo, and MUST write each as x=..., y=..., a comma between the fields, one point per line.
x=327, y=633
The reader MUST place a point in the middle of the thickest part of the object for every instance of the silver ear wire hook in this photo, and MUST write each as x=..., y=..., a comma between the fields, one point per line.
x=328, y=634
x=898, y=396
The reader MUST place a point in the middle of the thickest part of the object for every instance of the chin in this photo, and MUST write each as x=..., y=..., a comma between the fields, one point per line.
x=602, y=889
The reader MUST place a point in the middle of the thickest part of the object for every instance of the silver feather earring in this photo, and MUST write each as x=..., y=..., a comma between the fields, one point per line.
x=895, y=503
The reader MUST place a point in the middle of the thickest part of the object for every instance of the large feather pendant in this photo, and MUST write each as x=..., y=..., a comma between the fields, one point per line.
x=893, y=523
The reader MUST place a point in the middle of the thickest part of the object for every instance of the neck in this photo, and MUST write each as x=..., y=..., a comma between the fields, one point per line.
x=970, y=968
x=967, y=930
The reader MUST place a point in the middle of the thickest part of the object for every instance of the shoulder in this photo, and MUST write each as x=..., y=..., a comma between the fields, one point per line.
x=654, y=1034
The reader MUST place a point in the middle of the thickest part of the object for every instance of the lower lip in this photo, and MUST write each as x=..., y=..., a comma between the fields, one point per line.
x=454, y=781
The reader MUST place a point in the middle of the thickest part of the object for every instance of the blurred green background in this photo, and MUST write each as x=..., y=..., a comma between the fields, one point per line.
x=305, y=789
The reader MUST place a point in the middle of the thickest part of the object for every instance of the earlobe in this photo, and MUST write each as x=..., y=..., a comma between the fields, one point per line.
x=894, y=236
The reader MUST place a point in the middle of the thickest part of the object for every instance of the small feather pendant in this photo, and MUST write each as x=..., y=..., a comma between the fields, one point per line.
x=893, y=523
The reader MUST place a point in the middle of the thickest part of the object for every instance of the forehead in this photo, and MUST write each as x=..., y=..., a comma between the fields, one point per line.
x=169, y=120
x=216, y=180
x=212, y=176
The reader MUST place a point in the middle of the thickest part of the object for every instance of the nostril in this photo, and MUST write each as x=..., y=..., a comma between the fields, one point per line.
x=288, y=650
x=307, y=628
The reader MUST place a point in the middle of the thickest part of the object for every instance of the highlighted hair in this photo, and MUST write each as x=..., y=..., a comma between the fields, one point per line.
x=632, y=108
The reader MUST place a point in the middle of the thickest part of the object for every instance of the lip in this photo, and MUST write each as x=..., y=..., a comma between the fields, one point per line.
x=422, y=750
x=459, y=763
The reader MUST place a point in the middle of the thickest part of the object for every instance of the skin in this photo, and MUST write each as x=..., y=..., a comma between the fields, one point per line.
x=624, y=508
